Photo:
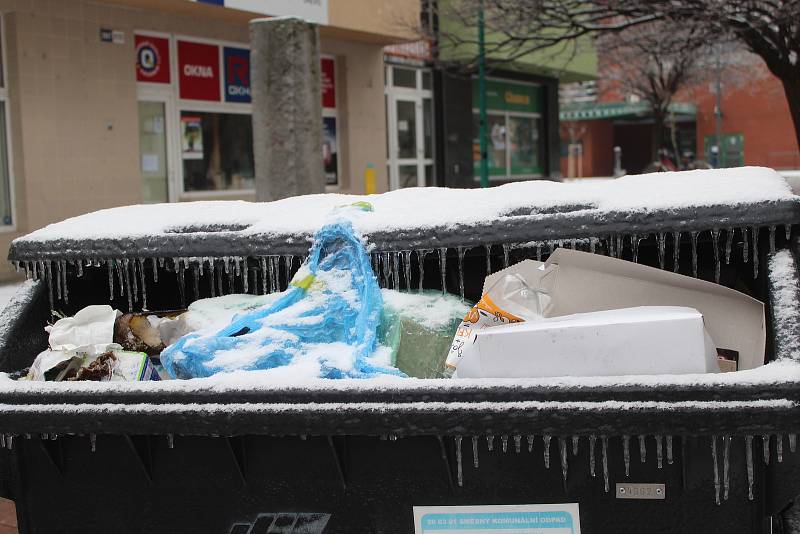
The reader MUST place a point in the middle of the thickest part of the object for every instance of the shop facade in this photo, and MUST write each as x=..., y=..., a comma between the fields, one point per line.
x=432, y=116
x=591, y=131
x=115, y=102
x=522, y=128
x=432, y=121
x=515, y=129
x=195, y=129
x=751, y=117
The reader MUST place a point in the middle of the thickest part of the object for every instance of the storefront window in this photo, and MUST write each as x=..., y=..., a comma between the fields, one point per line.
x=427, y=126
x=408, y=176
x=405, y=78
x=153, y=151
x=217, y=151
x=406, y=129
x=522, y=142
x=496, y=143
x=209, y=149
x=512, y=130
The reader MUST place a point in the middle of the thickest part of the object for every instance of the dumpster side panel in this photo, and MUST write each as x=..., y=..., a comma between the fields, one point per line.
x=22, y=335
x=140, y=484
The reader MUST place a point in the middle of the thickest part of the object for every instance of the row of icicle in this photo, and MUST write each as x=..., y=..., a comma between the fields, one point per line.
x=664, y=451
x=664, y=447
x=269, y=274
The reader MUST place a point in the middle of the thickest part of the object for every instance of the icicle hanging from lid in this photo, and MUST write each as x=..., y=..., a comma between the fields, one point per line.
x=459, y=470
x=716, y=468
x=461, y=272
x=443, y=268
x=748, y=453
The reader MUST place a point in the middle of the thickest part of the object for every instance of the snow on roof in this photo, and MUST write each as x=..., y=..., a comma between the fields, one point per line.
x=434, y=207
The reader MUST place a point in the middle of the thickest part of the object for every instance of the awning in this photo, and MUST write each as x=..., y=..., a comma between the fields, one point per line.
x=613, y=110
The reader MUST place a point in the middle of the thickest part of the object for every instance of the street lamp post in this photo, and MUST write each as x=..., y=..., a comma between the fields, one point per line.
x=718, y=108
x=484, y=162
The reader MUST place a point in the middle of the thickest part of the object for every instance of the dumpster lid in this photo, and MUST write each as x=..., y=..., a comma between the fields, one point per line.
x=408, y=218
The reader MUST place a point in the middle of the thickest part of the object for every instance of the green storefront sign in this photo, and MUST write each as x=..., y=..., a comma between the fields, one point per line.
x=509, y=96
x=513, y=129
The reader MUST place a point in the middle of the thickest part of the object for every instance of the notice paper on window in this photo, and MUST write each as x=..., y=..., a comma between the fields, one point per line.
x=149, y=162
x=496, y=519
x=191, y=137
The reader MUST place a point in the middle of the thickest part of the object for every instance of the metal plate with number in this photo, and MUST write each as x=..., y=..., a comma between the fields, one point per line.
x=641, y=491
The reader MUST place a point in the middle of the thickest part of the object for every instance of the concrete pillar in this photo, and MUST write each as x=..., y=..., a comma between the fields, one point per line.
x=287, y=108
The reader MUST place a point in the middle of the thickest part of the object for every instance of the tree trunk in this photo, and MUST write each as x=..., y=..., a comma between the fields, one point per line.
x=673, y=138
x=791, y=88
x=658, y=136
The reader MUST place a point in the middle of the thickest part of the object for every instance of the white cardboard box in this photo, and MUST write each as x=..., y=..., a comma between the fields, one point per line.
x=578, y=282
x=641, y=341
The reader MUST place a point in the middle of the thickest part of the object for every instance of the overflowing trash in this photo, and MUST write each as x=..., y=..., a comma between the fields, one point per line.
x=645, y=340
x=576, y=314
x=91, y=326
x=325, y=324
x=82, y=347
x=418, y=329
x=580, y=314
x=139, y=332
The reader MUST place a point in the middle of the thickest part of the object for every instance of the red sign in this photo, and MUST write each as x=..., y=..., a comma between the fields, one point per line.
x=198, y=71
x=328, y=82
x=152, y=59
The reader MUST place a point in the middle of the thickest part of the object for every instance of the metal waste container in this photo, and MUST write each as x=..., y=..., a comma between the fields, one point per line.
x=636, y=455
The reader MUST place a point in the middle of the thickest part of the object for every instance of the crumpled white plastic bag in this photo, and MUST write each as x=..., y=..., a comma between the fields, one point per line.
x=93, y=325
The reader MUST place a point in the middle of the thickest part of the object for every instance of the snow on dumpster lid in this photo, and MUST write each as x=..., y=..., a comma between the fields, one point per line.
x=418, y=209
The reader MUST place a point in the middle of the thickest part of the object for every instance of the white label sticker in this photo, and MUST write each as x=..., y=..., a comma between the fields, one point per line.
x=494, y=519
x=149, y=162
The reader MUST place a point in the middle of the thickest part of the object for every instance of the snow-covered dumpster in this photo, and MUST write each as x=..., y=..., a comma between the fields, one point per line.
x=240, y=452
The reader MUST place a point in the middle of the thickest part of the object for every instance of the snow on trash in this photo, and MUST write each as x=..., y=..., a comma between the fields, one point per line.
x=325, y=324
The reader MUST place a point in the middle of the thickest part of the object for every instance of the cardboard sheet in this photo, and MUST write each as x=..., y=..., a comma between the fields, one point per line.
x=580, y=282
x=647, y=340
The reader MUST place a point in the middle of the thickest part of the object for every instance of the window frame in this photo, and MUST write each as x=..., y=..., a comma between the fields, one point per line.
x=202, y=106
x=506, y=116
x=189, y=194
x=5, y=102
x=333, y=113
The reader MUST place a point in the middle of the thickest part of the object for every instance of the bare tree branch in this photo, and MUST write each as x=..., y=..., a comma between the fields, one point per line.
x=516, y=28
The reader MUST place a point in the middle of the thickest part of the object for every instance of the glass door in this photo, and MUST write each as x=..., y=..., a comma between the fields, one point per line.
x=153, y=158
x=411, y=147
x=409, y=113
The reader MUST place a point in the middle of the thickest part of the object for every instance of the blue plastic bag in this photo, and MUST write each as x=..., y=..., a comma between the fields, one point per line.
x=325, y=323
